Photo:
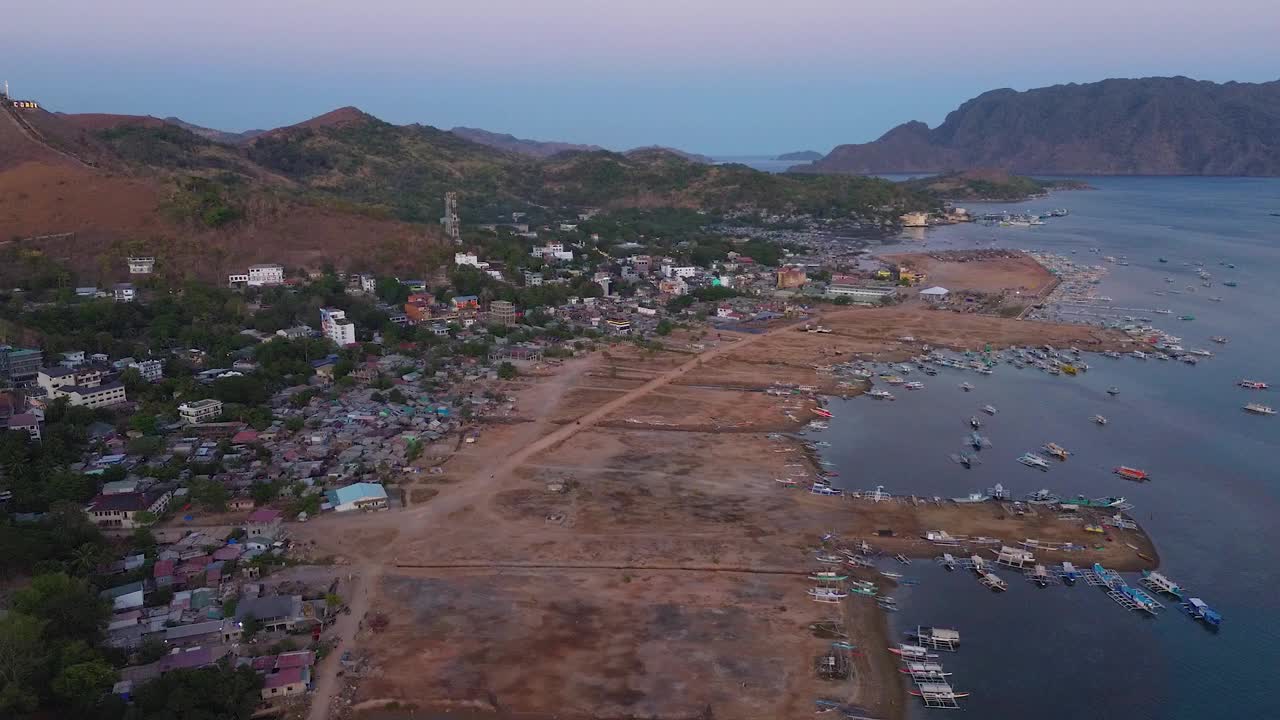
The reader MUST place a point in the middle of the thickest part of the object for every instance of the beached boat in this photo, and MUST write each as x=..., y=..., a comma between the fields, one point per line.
x=1102, y=502
x=1199, y=610
x=1042, y=497
x=971, y=498
x=914, y=385
x=826, y=594
x=1129, y=473
x=948, y=561
x=994, y=582
x=989, y=409
x=1099, y=419
x=891, y=575
x=1056, y=450
x=1253, y=384
x=824, y=558
x=1034, y=461
x=821, y=413
x=1259, y=409
x=914, y=652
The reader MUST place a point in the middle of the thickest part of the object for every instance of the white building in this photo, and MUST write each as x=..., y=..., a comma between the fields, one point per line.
x=200, y=411
x=72, y=359
x=859, y=294
x=150, y=370
x=335, y=326
x=24, y=422
x=96, y=396
x=552, y=251
x=141, y=265
x=369, y=283
x=238, y=279
x=935, y=294
x=266, y=274
x=124, y=292
x=469, y=259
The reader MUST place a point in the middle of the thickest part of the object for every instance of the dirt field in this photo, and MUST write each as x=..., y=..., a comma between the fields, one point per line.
x=577, y=565
x=960, y=271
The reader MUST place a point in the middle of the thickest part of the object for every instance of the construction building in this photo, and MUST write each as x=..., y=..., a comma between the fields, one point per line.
x=19, y=365
x=502, y=312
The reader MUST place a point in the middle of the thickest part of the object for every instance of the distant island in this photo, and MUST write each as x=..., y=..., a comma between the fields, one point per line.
x=801, y=156
x=989, y=185
x=1148, y=126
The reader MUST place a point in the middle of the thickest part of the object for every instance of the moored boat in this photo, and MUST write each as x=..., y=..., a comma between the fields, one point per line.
x=1259, y=409
x=1201, y=611
x=1056, y=450
x=1253, y=384
x=1099, y=419
x=989, y=409
x=1034, y=461
x=1129, y=473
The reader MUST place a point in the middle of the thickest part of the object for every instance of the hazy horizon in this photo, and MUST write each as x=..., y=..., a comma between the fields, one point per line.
x=742, y=78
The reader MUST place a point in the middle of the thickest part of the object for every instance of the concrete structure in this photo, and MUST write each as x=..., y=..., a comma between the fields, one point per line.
x=141, y=265
x=19, y=365
x=643, y=263
x=618, y=326
x=266, y=274
x=915, y=219
x=30, y=424
x=124, y=292
x=552, y=251
x=200, y=411
x=861, y=294
x=358, y=496
x=335, y=326
x=502, y=312
x=532, y=279
x=104, y=395
x=150, y=370
x=125, y=597
x=274, y=613
x=791, y=276
x=471, y=259
x=263, y=523
x=121, y=510
x=452, y=224
x=935, y=294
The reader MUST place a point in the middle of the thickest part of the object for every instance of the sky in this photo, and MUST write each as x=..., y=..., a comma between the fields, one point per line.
x=721, y=77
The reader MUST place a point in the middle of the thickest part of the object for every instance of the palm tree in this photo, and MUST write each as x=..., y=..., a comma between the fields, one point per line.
x=85, y=558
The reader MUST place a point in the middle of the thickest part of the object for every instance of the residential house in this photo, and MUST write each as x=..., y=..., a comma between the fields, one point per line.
x=264, y=523
x=124, y=292
x=25, y=422
x=265, y=274
x=125, y=597
x=121, y=510
x=274, y=613
x=141, y=265
x=211, y=632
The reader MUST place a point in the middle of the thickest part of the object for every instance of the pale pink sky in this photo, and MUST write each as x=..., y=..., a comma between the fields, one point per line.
x=719, y=76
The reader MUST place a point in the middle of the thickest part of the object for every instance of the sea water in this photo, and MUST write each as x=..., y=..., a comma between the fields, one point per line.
x=1212, y=507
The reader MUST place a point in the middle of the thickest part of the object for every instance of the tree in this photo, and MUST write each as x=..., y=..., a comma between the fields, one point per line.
x=263, y=492
x=72, y=609
x=211, y=494
x=413, y=451
x=143, y=538
x=249, y=626
x=507, y=371
x=144, y=423
x=216, y=693
x=396, y=396
x=23, y=653
x=295, y=423
x=664, y=327
x=82, y=685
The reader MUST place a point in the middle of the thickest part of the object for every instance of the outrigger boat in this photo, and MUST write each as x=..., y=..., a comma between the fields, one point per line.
x=827, y=576
x=966, y=386
x=821, y=413
x=994, y=582
x=1099, y=419
x=977, y=441
x=1113, y=391
x=902, y=559
x=914, y=652
x=923, y=668
x=880, y=395
x=1069, y=573
x=825, y=594
x=975, y=423
x=1199, y=610
x=1158, y=582
x=1056, y=450
x=914, y=385
x=1252, y=384
x=1040, y=576
x=1033, y=460
x=989, y=409
x=1103, y=502
x=967, y=460
x=1129, y=473
x=1259, y=409
x=936, y=638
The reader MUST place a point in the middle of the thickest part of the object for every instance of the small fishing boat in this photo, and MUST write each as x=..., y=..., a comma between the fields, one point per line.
x=1056, y=450
x=830, y=559
x=914, y=385
x=1034, y=461
x=1042, y=497
x=1158, y=582
x=1199, y=610
x=1099, y=419
x=1113, y=391
x=891, y=575
x=977, y=441
x=1259, y=409
x=826, y=594
x=948, y=561
x=1069, y=574
x=914, y=652
x=975, y=423
x=989, y=409
x=1253, y=384
x=1040, y=576
x=902, y=559
x=935, y=637
x=994, y=582
x=971, y=498
x=1231, y=283
x=1129, y=473
x=880, y=395
x=966, y=386
x=938, y=689
x=827, y=576
x=821, y=413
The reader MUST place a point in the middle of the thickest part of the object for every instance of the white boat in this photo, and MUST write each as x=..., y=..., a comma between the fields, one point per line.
x=1259, y=409
x=1033, y=460
x=989, y=409
x=880, y=395
x=914, y=386
x=824, y=594
x=966, y=386
x=1099, y=419
x=971, y=498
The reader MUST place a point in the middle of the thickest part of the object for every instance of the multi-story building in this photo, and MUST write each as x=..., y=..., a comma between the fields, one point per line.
x=141, y=265
x=532, y=279
x=369, y=283
x=791, y=276
x=471, y=259
x=642, y=263
x=150, y=370
x=103, y=395
x=200, y=411
x=502, y=312
x=335, y=326
x=27, y=423
x=418, y=307
x=124, y=292
x=238, y=279
x=56, y=381
x=121, y=510
x=266, y=274
x=19, y=365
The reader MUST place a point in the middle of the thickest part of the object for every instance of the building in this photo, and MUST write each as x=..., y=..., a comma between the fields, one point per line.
x=681, y=271
x=643, y=263
x=265, y=274
x=263, y=523
x=860, y=294
x=418, y=307
x=200, y=411
x=358, y=496
x=552, y=251
x=673, y=286
x=125, y=597
x=238, y=279
x=286, y=682
x=272, y=612
x=335, y=326
x=72, y=359
x=532, y=279
x=124, y=292
x=121, y=510
x=471, y=259
x=604, y=281
x=141, y=265
x=24, y=422
x=935, y=294
x=618, y=326
x=19, y=365
x=791, y=276
x=502, y=312
x=97, y=396
x=466, y=302
x=915, y=219
x=150, y=370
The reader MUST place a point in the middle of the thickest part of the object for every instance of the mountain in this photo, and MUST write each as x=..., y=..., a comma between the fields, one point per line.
x=1148, y=126
x=801, y=156
x=692, y=157
x=511, y=143
x=218, y=136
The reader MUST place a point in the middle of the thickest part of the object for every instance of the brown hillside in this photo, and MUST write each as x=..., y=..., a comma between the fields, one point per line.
x=105, y=121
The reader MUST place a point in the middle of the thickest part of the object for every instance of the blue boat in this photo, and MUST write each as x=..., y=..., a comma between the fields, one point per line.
x=1199, y=610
